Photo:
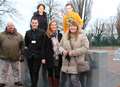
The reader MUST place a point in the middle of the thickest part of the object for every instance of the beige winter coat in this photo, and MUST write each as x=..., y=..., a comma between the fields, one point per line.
x=80, y=48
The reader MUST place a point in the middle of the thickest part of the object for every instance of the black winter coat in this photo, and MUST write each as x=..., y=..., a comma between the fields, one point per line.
x=42, y=19
x=49, y=52
x=34, y=41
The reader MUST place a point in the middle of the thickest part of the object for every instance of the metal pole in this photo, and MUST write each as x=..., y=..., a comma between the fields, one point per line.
x=83, y=12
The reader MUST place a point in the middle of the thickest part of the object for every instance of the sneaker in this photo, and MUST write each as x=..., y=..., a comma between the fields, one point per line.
x=18, y=84
x=2, y=84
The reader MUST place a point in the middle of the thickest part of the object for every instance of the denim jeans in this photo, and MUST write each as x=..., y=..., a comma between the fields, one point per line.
x=69, y=80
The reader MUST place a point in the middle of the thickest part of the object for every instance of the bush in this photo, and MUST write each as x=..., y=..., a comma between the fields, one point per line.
x=104, y=41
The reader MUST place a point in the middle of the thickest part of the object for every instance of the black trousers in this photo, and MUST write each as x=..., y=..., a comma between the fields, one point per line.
x=34, y=67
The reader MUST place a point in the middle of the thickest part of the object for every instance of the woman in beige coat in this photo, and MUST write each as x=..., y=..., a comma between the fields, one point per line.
x=74, y=45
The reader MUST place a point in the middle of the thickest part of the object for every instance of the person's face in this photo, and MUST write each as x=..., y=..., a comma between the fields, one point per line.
x=73, y=28
x=53, y=26
x=34, y=24
x=10, y=27
x=69, y=8
x=41, y=9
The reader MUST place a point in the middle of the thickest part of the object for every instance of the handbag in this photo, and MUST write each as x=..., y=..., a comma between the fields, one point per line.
x=82, y=66
x=91, y=61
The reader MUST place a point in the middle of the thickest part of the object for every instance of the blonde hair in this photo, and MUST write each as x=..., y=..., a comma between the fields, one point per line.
x=49, y=31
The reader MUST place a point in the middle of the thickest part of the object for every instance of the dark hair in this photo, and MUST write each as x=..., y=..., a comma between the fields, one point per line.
x=69, y=4
x=41, y=5
x=33, y=18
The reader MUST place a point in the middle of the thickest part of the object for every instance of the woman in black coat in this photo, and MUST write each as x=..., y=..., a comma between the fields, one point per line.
x=41, y=15
x=52, y=54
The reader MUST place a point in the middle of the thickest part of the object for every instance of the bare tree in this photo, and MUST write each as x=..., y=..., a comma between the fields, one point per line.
x=110, y=27
x=98, y=30
x=7, y=7
x=118, y=21
x=52, y=8
x=83, y=7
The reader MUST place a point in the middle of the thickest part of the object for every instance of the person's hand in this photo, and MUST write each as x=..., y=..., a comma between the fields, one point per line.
x=65, y=53
x=70, y=53
x=43, y=61
x=21, y=59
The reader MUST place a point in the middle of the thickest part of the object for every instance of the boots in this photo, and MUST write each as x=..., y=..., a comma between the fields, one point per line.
x=2, y=84
x=50, y=81
x=56, y=82
x=53, y=82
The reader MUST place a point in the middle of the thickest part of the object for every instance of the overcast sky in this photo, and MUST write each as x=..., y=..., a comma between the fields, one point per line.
x=104, y=8
x=100, y=9
x=26, y=9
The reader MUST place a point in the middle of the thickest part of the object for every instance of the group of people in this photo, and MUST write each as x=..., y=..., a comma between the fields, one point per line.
x=44, y=45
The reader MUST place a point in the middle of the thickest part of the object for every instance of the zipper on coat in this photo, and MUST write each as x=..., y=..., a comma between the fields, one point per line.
x=68, y=65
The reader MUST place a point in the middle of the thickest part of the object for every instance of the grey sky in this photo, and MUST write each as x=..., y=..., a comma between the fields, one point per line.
x=101, y=9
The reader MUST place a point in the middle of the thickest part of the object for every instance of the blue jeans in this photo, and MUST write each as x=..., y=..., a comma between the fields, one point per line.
x=69, y=80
